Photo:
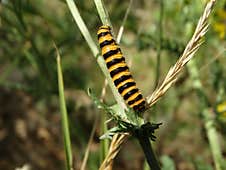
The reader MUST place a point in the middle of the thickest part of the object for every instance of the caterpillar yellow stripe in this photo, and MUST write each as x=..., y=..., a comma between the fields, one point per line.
x=119, y=70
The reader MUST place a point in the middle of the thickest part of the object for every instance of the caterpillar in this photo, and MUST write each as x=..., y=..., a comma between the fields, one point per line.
x=119, y=70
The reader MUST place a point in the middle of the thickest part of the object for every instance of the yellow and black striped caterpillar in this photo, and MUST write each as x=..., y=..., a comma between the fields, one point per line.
x=119, y=70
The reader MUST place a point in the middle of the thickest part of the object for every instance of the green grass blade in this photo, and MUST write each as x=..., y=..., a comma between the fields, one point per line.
x=103, y=143
x=80, y=23
x=102, y=12
x=65, y=124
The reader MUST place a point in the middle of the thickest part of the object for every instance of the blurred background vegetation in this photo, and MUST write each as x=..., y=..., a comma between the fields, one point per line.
x=30, y=125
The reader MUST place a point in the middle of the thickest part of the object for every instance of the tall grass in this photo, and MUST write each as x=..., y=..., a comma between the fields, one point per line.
x=64, y=117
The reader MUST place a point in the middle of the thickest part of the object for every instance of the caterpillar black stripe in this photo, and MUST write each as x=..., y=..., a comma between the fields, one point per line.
x=119, y=70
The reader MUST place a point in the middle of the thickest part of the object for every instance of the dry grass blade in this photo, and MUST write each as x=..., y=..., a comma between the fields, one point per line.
x=115, y=146
x=192, y=46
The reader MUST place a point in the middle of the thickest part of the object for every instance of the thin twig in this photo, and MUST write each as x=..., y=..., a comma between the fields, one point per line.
x=89, y=144
x=192, y=46
x=121, y=29
x=158, y=64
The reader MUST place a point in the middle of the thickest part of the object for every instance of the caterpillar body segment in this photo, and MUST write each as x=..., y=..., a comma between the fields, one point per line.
x=119, y=70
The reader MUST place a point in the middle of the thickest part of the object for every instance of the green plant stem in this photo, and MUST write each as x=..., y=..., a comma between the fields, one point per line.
x=213, y=139
x=65, y=124
x=158, y=64
x=102, y=13
x=104, y=143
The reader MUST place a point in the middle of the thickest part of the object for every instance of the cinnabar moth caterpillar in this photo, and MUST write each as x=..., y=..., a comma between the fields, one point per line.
x=119, y=70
